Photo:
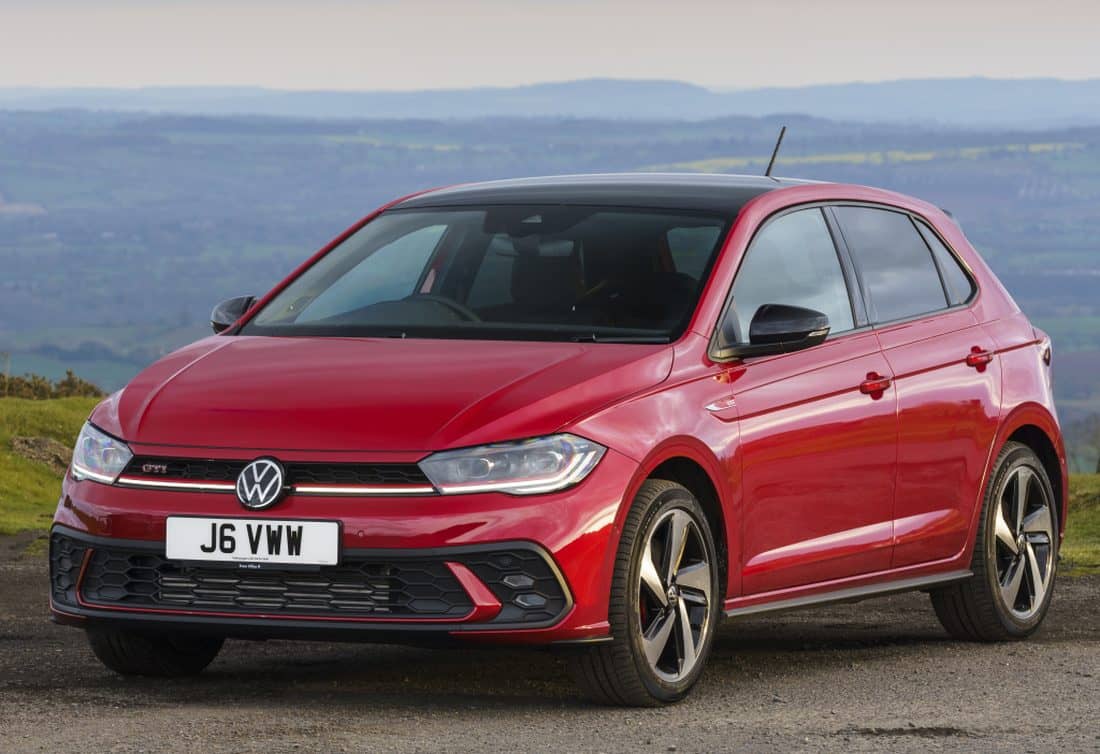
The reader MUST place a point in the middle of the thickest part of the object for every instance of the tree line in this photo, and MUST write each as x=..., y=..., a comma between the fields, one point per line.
x=37, y=387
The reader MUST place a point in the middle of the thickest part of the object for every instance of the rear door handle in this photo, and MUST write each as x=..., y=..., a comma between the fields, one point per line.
x=874, y=385
x=978, y=357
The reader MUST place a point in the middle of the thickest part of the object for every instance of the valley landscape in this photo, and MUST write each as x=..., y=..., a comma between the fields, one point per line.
x=119, y=229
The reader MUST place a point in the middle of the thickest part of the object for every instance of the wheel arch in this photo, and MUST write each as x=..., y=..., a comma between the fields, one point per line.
x=694, y=477
x=687, y=461
x=1036, y=427
x=1038, y=440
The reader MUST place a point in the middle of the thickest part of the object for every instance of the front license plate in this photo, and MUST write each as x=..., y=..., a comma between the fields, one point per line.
x=248, y=540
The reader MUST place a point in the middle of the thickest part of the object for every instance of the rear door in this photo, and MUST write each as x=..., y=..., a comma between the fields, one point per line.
x=945, y=376
x=818, y=448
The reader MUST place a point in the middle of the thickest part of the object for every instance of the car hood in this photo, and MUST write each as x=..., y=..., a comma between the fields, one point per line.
x=366, y=394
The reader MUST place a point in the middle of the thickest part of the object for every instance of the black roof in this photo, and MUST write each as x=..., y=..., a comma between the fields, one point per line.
x=725, y=194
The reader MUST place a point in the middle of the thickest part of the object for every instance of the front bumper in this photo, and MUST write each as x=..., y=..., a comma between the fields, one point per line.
x=487, y=567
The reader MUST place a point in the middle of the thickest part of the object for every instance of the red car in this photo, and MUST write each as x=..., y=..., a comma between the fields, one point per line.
x=599, y=413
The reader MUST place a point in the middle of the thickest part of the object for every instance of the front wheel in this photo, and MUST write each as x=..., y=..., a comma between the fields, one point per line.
x=1015, y=556
x=664, y=607
x=159, y=655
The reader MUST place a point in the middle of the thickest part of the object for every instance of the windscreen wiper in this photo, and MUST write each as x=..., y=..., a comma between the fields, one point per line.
x=597, y=338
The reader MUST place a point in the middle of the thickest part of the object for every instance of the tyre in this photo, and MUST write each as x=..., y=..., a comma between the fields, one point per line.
x=1015, y=556
x=153, y=654
x=664, y=607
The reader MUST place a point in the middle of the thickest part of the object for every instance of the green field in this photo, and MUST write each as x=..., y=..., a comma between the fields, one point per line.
x=1081, y=551
x=883, y=157
x=29, y=490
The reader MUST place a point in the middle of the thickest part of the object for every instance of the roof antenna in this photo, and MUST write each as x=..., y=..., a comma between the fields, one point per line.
x=775, y=152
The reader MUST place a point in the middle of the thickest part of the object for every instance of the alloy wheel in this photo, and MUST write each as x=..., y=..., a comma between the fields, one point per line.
x=674, y=599
x=1024, y=543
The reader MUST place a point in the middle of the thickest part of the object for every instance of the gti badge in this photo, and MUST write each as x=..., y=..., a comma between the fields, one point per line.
x=260, y=484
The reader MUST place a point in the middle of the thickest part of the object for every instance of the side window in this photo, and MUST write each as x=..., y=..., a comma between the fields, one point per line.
x=793, y=261
x=898, y=272
x=959, y=285
x=390, y=273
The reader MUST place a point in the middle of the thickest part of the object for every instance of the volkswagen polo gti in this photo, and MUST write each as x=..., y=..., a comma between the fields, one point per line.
x=599, y=413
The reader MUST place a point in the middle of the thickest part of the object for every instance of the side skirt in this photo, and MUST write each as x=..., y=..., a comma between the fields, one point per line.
x=852, y=594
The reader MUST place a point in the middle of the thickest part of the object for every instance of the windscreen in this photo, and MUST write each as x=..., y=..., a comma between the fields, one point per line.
x=506, y=272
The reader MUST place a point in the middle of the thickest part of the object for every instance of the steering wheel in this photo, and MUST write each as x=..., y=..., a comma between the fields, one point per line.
x=466, y=312
x=605, y=299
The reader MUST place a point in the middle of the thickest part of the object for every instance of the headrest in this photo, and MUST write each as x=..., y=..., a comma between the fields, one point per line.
x=541, y=280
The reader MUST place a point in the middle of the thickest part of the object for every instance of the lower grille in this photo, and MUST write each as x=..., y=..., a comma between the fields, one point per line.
x=368, y=586
x=412, y=589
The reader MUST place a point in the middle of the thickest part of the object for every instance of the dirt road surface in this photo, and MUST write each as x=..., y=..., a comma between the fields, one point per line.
x=872, y=676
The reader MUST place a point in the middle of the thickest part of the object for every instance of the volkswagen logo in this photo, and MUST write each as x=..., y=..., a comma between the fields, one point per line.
x=260, y=484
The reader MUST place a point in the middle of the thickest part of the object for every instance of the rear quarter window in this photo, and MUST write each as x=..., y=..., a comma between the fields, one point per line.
x=958, y=283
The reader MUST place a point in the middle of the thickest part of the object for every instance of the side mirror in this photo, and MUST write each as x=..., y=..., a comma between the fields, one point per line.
x=229, y=311
x=780, y=328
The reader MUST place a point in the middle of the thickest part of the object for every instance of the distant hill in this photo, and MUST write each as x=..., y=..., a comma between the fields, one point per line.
x=976, y=102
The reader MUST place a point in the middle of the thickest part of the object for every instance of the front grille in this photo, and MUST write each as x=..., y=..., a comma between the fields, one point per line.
x=364, y=586
x=201, y=470
x=185, y=468
x=355, y=473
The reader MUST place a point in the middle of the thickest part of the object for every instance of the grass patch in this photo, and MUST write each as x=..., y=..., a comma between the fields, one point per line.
x=29, y=490
x=1081, y=551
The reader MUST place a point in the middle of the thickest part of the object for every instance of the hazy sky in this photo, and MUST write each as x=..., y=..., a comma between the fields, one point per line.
x=407, y=44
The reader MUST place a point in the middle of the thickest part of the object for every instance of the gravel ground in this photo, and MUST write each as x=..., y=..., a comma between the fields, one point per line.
x=880, y=674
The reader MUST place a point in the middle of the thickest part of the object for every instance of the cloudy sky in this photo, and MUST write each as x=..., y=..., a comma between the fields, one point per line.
x=413, y=44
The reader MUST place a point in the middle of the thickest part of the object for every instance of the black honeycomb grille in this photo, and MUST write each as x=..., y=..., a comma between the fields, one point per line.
x=528, y=590
x=66, y=558
x=410, y=589
x=192, y=469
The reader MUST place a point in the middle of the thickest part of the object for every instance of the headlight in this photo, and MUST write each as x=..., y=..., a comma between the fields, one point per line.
x=99, y=456
x=528, y=467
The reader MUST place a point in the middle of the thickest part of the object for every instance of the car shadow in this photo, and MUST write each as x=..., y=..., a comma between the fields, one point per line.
x=751, y=653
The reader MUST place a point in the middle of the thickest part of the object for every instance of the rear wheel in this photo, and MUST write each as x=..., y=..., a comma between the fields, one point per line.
x=1015, y=556
x=153, y=654
x=664, y=607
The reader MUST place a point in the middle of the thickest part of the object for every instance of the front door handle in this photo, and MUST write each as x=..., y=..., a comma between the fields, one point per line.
x=978, y=358
x=875, y=385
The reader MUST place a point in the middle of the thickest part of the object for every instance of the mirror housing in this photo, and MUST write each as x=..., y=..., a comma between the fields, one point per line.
x=778, y=328
x=229, y=311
